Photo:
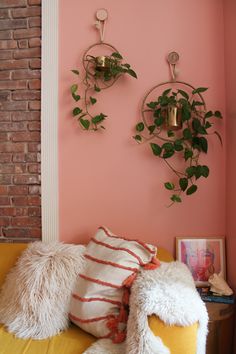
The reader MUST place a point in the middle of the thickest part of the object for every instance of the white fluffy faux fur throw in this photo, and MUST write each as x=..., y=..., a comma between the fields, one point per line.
x=168, y=292
x=35, y=297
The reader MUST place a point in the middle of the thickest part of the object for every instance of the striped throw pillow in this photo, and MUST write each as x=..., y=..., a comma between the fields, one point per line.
x=99, y=303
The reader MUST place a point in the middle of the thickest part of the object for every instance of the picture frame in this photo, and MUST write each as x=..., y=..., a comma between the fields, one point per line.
x=203, y=256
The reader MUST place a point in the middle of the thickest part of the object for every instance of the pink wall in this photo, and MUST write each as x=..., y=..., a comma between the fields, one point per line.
x=105, y=178
x=230, y=60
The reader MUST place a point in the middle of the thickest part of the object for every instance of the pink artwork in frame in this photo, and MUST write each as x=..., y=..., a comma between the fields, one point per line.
x=203, y=256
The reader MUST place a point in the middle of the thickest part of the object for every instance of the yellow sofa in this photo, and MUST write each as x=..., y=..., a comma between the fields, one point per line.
x=180, y=340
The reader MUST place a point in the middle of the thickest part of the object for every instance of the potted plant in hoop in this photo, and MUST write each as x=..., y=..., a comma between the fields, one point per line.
x=179, y=121
x=101, y=72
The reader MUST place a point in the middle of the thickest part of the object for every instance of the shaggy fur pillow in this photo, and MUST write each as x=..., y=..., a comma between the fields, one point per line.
x=35, y=297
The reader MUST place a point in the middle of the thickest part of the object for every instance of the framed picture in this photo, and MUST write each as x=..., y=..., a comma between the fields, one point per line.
x=203, y=256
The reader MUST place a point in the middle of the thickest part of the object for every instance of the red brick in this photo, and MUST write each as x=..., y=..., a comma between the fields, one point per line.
x=7, y=127
x=5, y=34
x=26, y=221
x=13, y=85
x=17, y=233
x=35, y=84
x=20, y=201
x=4, y=13
x=18, y=190
x=4, y=200
x=5, y=168
x=27, y=53
x=6, y=54
x=12, y=3
x=34, y=200
x=4, y=95
x=14, y=106
x=4, y=137
x=4, y=75
x=13, y=24
x=34, y=168
x=23, y=43
x=27, y=33
x=35, y=190
x=35, y=105
x=26, y=12
x=31, y=157
x=34, y=42
x=4, y=221
x=19, y=157
x=7, y=211
x=26, y=179
x=27, y=116
x=26, y=95
x=20, y=168
x=35, y=64
x=5, y=179
x=34, y=126
x=3, y=190
x=26, y=74
x=8, y=44
x=34, y=22
x=34, y=2
x=4, y=158
x=13, y=64
x=35, y=233
x=12, y=147
x=5, y=116
x=25, y=136
x=34, y=211
x=34, y=147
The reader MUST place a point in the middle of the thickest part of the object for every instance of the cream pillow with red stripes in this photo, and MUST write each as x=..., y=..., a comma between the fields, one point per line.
x=99, y=303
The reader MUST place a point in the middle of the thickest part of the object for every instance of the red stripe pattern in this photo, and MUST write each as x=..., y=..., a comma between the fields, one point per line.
x=99, y=303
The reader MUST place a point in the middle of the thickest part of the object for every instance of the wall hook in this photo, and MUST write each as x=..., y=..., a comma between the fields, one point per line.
x=100, y=24
x=173, y=59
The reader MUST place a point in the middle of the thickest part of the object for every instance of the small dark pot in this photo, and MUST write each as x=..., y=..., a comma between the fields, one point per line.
x=173, y=117
x=102, y=63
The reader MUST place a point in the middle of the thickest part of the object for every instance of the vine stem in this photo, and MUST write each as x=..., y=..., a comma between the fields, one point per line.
x=178, y=174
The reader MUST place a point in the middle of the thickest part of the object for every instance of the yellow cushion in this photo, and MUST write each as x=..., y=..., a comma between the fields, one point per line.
x=163, y=255
x=179, y=340
x=9, y=253
x=72, y=341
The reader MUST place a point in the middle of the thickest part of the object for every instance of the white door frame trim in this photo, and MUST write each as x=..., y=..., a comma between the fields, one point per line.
x=49, y=121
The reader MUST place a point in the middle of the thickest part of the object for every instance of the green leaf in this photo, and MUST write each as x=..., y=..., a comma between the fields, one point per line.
x=76, y=97
x=126, y=65
x=76, y=111
x=218, y=114
x=116, y=55
x=178, y=145
x=93, y=100
x=188, y=154
x=73, y=88
x=168, y=154
x=170, y=133
x=156, y=149
x=132, y=73
x=170, y=186
x=151, y=128
x=190, y=171
x=168, y=146
x=197, y=103
x=203, y=144
x=159, y=121
x=205, y=171
x=138, y=138
x=157, y=113
x=165, y=93
x=96, y=88
x=176, y=198
x=75, y=72
x=183, y=183
x=191, y=189
x=186, y=113
x=198, y=171
x=202, y=130
x=85, y=123
x=196, y=124
x=208, y=125
x=152, y=105
x=99, y=118
x=139, y=127
x=199, y=90
x=184, y=94
x=219, y=137
x=187, y=133
x=209, y=114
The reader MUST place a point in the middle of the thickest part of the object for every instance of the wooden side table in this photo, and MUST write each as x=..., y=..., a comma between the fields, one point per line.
x=221, y=328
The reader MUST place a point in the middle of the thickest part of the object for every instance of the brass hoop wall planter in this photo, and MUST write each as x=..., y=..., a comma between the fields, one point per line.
x=101, y=72
x=176, y=123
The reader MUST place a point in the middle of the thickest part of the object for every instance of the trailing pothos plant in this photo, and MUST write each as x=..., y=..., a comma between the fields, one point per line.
x=188, y=140
x=100, y=73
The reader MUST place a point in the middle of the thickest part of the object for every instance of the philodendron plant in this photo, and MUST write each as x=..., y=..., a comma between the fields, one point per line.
x=100, y=73
x=180, y=124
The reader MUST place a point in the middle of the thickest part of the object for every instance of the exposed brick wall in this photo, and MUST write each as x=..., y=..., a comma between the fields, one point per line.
x=20, y=53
